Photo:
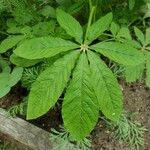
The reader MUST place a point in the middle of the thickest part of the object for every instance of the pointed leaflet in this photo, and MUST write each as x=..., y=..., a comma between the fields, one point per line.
x=114, y=28
x=4, y=84
x=124, y=32
x=15, y=76
x=43, y=47
x=119, y=52
x=49, y=86
x=71, y=25
x=22, y=62
x=147, y=68
x=147, y=41
x=10, y=42
x=79, y=110
x=131, y=4
x=139, y=34
x=106, y=87
x=99, y=27
x=134, y=73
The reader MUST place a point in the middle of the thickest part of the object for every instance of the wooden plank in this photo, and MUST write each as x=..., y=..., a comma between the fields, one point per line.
x=25, y=133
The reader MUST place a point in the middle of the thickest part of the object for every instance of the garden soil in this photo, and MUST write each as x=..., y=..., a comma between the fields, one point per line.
x=136, y=99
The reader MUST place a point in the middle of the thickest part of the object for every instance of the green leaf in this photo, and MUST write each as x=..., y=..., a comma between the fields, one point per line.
x=106, y=87
x=48, y=11
x=134, y=73
x=10, y=42
x=124, y=32
x=131, y=4
x=75, y=8
x=22, y=62
x=64, y=3
x=147, y=42
x=114, y=28
x=80, y=106
x=43, y=47
x=4, y=66
x=71, y=25
x=49, y=86
x=99, y=27
x=4, y=84
x=15, y=76
x=139, y=34
x=44, y=28
x=119, y=52
x=148, y=69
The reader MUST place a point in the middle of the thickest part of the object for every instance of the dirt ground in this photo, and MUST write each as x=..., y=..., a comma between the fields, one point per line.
x=136, y=99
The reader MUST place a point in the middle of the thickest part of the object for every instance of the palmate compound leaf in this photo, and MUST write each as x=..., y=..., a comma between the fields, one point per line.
x=80, y=106
x=99, y=27
x=106, y=88
x=119, y=52
x=49, y=85
x=71, y=25
x=43, y=47
x=10, y=42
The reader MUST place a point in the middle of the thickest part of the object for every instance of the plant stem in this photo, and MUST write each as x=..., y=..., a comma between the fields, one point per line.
x=90, y=4
x=1, y=32
x=89, y=23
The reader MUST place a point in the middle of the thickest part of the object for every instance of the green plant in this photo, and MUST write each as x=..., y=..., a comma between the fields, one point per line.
x=88, y=84
x=63, y=141
x=129, y=131
x=135, y=73
x=8, y=78
x=19, y=109
x=30, y=75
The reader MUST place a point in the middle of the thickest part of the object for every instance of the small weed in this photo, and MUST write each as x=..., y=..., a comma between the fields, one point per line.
x=128, y=131
x=63, y=141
